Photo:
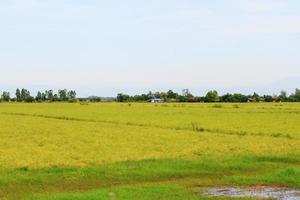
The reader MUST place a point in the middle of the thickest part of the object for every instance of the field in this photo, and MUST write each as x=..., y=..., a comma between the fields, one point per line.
x=141, y=151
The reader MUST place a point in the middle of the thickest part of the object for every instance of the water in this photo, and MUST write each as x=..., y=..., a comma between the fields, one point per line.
x=256, y=192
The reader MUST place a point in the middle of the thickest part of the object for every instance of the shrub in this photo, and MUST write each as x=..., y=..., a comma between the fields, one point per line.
x=197, y=128
x=217, y=106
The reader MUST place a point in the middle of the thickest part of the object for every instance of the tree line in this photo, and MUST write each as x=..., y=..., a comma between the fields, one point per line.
x=211, y=96
x=64, y=95
x=23, y=95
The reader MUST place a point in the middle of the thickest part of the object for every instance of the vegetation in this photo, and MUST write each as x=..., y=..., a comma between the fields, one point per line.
x=64, y=95
x=142, y=151
x=211, y=96
x=23, y=95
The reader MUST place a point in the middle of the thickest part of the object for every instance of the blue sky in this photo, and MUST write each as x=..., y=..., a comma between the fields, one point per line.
x=102, y=47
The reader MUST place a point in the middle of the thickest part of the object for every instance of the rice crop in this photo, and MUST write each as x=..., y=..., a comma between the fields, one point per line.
x=75, y=151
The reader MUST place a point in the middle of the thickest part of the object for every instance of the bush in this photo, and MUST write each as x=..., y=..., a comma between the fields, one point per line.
x=236, y=106
x=197, y=128
x=29, y=99
x=217, y=106
x=72, y=100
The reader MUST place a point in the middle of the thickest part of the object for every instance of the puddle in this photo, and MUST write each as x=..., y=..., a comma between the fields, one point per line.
x=256, y=192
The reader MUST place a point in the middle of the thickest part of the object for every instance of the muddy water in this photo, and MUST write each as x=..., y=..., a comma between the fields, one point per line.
x=256, y=192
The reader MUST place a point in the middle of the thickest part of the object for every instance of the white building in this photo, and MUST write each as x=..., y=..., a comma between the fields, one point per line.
x=156, y=100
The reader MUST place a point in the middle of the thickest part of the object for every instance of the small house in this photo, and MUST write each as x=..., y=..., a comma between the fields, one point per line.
x=156, y=100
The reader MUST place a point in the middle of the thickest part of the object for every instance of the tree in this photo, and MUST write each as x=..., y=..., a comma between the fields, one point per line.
x=24, y=94
x=94, y=99
x=171, y=95
x=239, y=98
x=256, y=96
x=55, y=97
x=297, y=95
x=122, y=97
x=182, y=98
x=150, y=95
x=49, y=95
x=18, y=95
x=157, y=95
x=186, y=92
x=234, y=98
x=71, y=95
x=268, y=98
x=29, y=99
x=164, y=96
x=212, y=96
x=44, y=96
x=283, y=96
x=143, y=97
x=62, y=95
x=39, y=97
x=5, y=96
x=226, y=98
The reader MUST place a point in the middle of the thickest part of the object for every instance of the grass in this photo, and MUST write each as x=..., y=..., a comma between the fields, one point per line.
x=144, y=151
x=145, y=192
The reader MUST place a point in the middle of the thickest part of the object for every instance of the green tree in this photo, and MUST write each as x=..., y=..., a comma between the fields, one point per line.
x=29, y=99
x=39, y=97
x=182, y=98
x=44, y=96
x=18, y=95
x=212, y=96
x=5, y=96
x=256, y=96
x=55, y=97
x=62, y=95
x=123, y=97
x=171, y=95
x=297, y=95
x=268, y=98
x=24, y=94
x=283, y=96
x=164, y=96
x=71, y=95
x=186, y=93
x=49, y=95
x=233, y=98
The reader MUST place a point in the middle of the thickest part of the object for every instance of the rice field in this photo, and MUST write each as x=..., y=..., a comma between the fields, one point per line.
x=145, y=151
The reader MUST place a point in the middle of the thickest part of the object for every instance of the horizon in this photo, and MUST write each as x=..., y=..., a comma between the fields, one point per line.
x=204, y=91
x=103, y=48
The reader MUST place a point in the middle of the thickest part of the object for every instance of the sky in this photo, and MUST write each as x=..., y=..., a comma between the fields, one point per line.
x=103, y=47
